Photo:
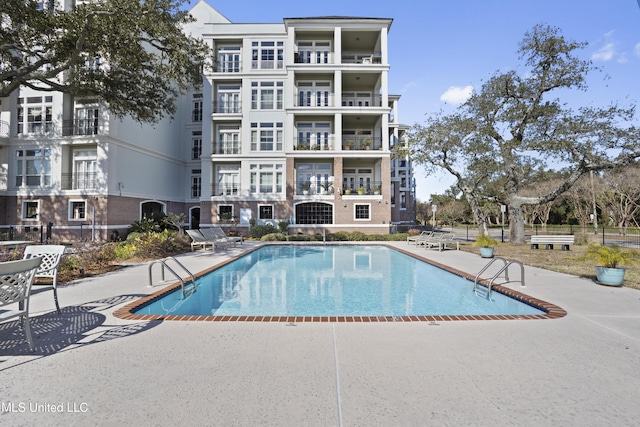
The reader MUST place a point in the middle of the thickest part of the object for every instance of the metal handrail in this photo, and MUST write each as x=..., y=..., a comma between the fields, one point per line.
x=163, y=262
x=504, y=269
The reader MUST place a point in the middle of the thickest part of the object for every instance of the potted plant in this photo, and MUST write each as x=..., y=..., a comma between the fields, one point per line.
x=326, y=187
x=348, y=144
x=486, y=244
x=367, y=143
x=347, y=191
x=376, y=190
x=361, y=190
x=609, y=259
x=301, y=147
x=305, y=185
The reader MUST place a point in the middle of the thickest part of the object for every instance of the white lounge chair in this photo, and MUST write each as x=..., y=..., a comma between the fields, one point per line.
x=16, y=280
x=219, y=233
x=198, y=239
x=422, y=235
x=212, y=236
x=51, y=256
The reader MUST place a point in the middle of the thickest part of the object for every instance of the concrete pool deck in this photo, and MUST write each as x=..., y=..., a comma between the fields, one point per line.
x=91, y=368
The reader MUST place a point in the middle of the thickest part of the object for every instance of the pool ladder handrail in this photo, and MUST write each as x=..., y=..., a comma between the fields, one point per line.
x=164, y=264
x=487, y=290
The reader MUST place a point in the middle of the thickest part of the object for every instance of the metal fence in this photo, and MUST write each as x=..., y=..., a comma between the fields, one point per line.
x=628, y=237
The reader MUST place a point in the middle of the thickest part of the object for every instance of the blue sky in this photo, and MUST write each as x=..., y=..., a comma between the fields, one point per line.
x=440, y=50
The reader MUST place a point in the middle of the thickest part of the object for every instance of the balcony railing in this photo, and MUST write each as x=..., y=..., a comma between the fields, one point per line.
x=314, y=144
x=225, y=190
x=361, y=57
x=369, y=188
x=227, y=107
x=314, y=99
x=4, y=129
x=227, y=66
x=80, y=127
x=351, y=100
x=313, y=56
x=351, y=142
x=225, y=147
x=313, y=188
x=79, y=181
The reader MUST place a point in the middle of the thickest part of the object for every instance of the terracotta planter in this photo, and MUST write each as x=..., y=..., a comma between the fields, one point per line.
x=610, y=276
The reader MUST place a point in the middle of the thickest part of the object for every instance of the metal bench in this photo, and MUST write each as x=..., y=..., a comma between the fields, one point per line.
x=549, y=240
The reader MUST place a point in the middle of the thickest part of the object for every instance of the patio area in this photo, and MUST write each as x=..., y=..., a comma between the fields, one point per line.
x=90, y=367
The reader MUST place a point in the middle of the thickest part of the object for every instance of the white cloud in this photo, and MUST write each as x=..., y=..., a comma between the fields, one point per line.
x=605, y=53
x=457, y=94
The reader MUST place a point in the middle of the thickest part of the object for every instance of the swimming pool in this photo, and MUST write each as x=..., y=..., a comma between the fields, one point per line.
x=332, y=283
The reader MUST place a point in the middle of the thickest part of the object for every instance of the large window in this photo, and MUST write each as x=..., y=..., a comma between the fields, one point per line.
x=228, y=59
x=35, y=116
x=362, y=212
x=314, y=94
x=228, y=180
x=267, y=55
x=228, y=99
x=353, y=179
x=196, y=110
x=266, y=136
x=316, y=177
x=86, y=121
x=33, y=168
x=196, y=145
x=267, y=95
x=228, y=141
x=314, y=136
x=85, y=169
x=196, y=183
x=314, y=213
x=266, y=178
x=313, y=52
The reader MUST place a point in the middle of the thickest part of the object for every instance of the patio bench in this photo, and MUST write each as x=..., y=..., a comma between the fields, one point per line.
x=549, y=240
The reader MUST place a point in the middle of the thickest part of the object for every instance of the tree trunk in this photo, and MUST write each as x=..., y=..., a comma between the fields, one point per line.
x=516, y=225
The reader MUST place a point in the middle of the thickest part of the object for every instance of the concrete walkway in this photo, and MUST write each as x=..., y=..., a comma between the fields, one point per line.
x=90, y=368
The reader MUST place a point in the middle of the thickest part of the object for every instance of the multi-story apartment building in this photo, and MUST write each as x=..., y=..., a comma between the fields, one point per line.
x=293, y=122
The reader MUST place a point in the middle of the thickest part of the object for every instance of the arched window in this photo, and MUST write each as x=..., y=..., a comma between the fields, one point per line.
x=152, y=210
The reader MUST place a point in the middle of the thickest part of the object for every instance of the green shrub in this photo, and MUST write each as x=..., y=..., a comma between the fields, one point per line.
x=274, y=237
x=257, y=231
x=283, y=226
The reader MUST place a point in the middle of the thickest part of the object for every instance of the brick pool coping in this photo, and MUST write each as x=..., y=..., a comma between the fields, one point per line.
x=552, y=311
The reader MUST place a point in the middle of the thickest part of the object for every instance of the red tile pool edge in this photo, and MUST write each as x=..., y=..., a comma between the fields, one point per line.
x=552, y=311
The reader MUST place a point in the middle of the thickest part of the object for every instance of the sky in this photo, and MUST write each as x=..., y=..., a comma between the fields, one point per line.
x=440, y=51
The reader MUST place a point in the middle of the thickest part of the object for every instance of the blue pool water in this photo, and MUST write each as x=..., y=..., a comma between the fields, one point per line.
x=282, y=280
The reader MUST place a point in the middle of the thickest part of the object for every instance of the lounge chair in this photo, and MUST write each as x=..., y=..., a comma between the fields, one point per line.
x=16, y=279
x=219, y=233
x=198, y=239
x=210, y=235
x=51, y=256
x=440, y=241
x=422, y=235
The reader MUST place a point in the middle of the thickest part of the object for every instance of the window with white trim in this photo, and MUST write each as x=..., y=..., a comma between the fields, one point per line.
x=314, y=52
x=314, y=135
x=266, y=178
x=35, y=116
x=314, y=94
x=31, y=210
x=86, y=121
x=266, y=136
x=267, y=95
x=228, y=141
x=228, y=99
x=196, y=145
x=33, y=167
x=196, y=183
x=229, y=59
x=267, y=55
x=227, y=180
x=197, y=106
x=85, y=169
x=265, y=211
x=77, y=210
x=362, y=212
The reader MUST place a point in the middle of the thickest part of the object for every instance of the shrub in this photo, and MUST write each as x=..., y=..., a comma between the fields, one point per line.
x=257, y=231
x=273, y=237
x=283, y=226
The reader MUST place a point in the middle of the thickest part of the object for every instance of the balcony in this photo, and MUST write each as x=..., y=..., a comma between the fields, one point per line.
x=227, y=148
x=227, y=107
x=363, y=57
x=313, y=56
x=316, y=99
x=231, y=66
x=369, y=188
x=352, y=142
x=351, y=99
x=313, y=188
x=80, y=127
x=79, y=181
x=4, y=129
x=313, y=144
x=225, y=190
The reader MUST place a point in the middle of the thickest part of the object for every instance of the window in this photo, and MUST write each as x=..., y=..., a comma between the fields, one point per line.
x=266, y=136
x=196, y=145
x=267, y=95
x=362, y=212
x=267, y=55
x=314, y=136
x=225, y=212
x=31, y=210
x=393, y=193
x=228, y=139
x=228, y=99
x=354, y=178
x=228, y=59
x=265, y=212
x=77, y=210
x=228, y=180
x=33, y=168
x=38, y=119
x=196, y=183
x=313, y=52
x=266, y=178
x=85, y=168
x=196, y=111
x=86, y=121
x=317, y=176
x=403, y=200
x=314, y=94
x=314, y=213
